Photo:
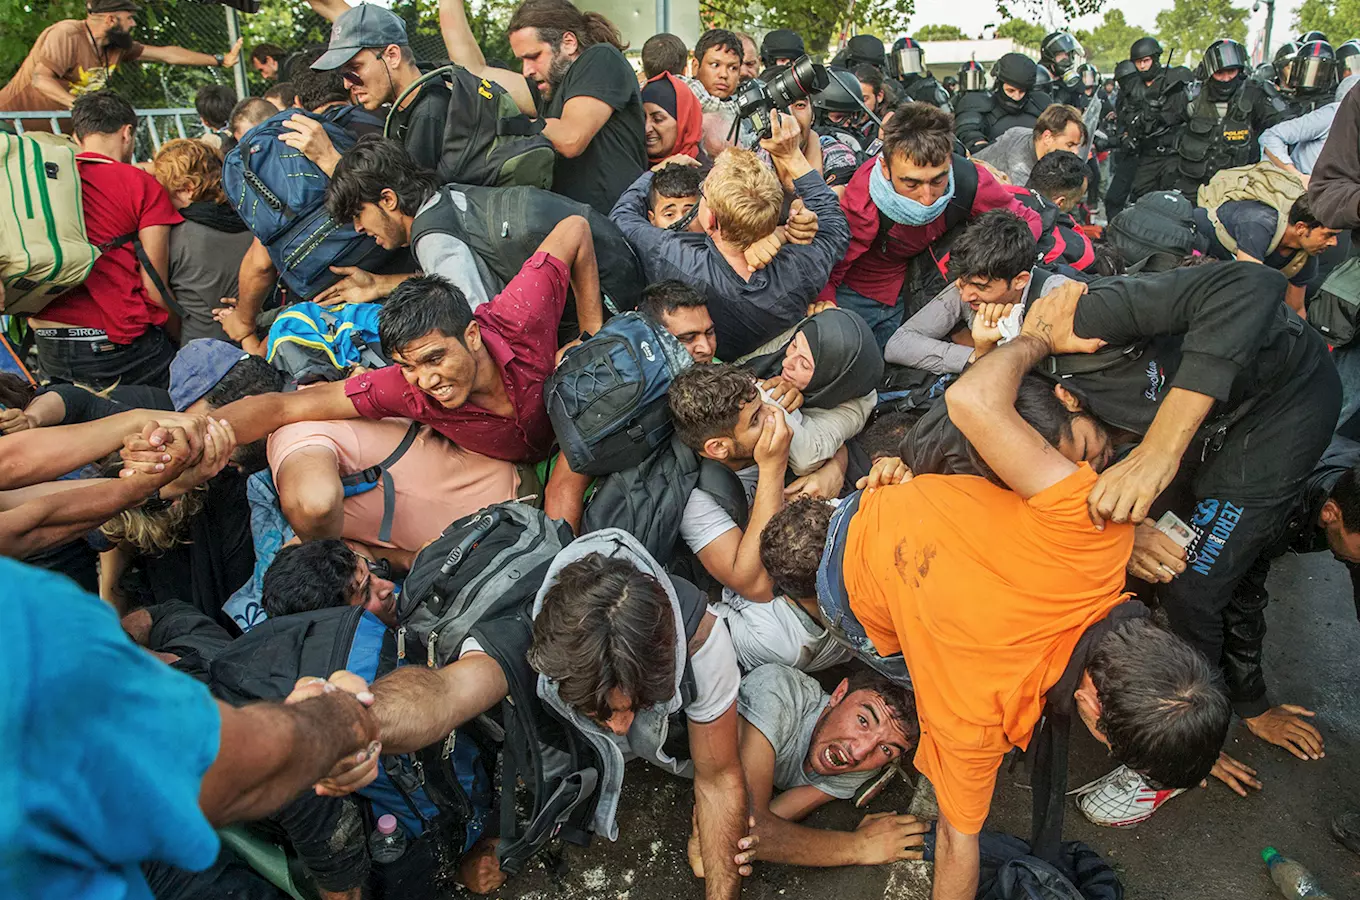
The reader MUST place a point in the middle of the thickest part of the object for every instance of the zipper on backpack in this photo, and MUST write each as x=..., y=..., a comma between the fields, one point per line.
x=401, y=643
x=310, y=244
x=429, y=659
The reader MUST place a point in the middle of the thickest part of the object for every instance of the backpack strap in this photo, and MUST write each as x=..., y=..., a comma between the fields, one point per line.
x=442, y=218
x=960, y=208
x=380, y=473
x=414, y=86
x=1069, y=364
x=693, y=608
x=166, y=294
x=726, y=488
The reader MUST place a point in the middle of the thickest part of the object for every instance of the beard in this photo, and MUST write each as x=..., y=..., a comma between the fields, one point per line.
x=556, y=72
x=118, y=38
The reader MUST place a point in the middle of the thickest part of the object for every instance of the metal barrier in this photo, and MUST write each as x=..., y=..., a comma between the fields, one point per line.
x=154, y=126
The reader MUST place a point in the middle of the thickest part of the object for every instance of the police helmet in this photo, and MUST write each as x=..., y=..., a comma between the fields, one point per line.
x=1314, y=68
x=1057, y=44
x=1348, y=57
x=1017, y=70
x=841, y=94
x=1225, y=53
x=1145, y=46
x=781, y=44
x=972, y=77
x=908, y=57
x=1309, y=36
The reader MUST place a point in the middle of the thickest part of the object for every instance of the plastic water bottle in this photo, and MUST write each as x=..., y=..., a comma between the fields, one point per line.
x=387, y=842
x=1293, y=880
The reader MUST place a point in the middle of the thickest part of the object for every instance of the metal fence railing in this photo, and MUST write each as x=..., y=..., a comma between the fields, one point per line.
x=154, y=126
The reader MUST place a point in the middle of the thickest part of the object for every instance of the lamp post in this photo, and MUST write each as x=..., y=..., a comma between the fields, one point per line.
x=1270, y=22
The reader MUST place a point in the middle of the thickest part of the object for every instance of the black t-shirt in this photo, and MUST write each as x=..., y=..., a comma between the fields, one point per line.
x=420, y=126
x=617, y=154
x=1252, y=224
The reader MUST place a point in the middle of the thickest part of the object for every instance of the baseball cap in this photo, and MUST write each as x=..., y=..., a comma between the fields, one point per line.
x=94, y=7
x=363, y=26
x=198, y=367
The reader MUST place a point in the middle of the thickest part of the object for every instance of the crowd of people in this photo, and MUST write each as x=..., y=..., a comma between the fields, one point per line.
x=432, y=437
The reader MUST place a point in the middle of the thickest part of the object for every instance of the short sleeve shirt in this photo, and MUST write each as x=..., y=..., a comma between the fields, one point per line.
x=108, y=751
x=434, y=482
x=67, y=49
x=119, y=200
x=1253, y=225
x=986, y=627
x=704, y=520
x=617, y=154
x=420, y=126
x=784, y=704
x=519, y=330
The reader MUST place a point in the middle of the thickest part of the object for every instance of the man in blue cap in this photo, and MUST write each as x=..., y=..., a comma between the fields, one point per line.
x=370, y=48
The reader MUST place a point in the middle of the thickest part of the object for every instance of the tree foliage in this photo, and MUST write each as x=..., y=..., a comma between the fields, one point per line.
x=939, y=33
x=1031, y=10
x=1022, y=32
x=1189, y=26
x=1338, y=19
x=1109, y=42
x=818, y=21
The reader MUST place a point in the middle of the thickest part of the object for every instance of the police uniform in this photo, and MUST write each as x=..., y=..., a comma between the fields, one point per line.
x=1151, y=115
x=980, y=117
x=1220, y=134
x=924, y=89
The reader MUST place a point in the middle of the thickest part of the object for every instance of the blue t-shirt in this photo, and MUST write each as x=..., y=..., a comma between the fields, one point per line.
x=1252, y=224
x=105, y=748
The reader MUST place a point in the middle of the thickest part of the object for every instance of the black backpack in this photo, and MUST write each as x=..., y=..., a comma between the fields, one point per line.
x=648, y=500
x=444, y=788
x=503, y=227
x=486, y=567
x=487, y=140
x=1160, y=222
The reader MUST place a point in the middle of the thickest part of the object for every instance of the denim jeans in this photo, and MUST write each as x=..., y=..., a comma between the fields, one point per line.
x=882, y=319
x=834, y=601
x=86, y=356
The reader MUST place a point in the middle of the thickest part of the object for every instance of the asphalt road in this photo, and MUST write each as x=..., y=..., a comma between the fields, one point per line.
x=1205, y=844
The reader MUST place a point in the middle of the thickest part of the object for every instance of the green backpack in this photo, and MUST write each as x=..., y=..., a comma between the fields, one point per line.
x=487, y=140
x=1265, y=183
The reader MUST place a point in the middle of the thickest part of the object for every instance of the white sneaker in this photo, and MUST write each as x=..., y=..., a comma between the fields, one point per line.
x=1121, y=798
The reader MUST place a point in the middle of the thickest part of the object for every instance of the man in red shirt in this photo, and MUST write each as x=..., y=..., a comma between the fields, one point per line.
x=108, y=330
x=900, y=203
x=474, y=377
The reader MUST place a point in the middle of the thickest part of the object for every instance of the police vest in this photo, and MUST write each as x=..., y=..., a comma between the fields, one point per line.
x=1209, y=143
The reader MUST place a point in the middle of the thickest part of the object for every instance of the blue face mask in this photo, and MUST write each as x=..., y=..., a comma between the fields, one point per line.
x=904, y=210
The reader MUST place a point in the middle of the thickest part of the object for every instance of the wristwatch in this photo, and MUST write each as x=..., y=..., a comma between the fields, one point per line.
x=220, y=59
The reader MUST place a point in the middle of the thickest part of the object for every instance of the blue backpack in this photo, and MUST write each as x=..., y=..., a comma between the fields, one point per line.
x=607, y=400
x=445, y=787
x=279, y=194
x=309, y=342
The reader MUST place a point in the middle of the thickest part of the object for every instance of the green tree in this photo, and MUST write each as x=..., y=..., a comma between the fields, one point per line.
x=939, y=33
x=1191, y=25
x=1338, y=19
x=818, y=21
x=1022, y=32
x=1109, y=42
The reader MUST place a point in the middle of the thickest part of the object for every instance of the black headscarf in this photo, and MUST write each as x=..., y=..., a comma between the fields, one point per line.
x=846, y=360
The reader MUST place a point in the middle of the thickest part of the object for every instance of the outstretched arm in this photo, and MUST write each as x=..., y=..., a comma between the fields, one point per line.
x=720, y=802
x=178, y=56
x=464, y=50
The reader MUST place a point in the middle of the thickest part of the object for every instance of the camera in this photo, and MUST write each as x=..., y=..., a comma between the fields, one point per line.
x=757, y=100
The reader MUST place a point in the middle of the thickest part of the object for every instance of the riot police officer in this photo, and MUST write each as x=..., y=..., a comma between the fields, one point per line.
x=1151, y=112
x=972, y=77
x=1123, y=156
x=1312, y=78
x=907, y=65
x=1347, y=59
x=1281, y=63
x=781, y=47
x=981, y=116
x=1062, y=56
x=840, y=111
x=1225, y=121
x=861, y=49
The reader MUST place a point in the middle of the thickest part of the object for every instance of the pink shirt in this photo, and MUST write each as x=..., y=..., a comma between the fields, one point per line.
x=435, y=481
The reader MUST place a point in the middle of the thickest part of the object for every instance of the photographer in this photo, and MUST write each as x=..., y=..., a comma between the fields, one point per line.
x=833, y=159
x=741, y=205
x=76, y=56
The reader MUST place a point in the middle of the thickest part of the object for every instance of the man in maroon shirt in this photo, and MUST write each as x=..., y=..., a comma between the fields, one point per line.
x=108, y=330
x=475, y=377
x=900, y=203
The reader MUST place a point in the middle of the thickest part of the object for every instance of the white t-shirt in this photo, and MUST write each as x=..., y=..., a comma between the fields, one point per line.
x=446, y=256
x=704, y=521
x=778, y=632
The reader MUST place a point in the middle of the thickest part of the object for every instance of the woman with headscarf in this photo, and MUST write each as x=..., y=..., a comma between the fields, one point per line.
x=824, y=373
x=674, y=120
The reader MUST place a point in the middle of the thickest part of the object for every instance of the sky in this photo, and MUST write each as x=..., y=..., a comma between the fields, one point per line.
x=973, y=15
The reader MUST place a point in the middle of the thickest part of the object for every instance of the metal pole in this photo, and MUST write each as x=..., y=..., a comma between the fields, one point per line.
x=238, y=71
x=1270, y=22
x=663, y=16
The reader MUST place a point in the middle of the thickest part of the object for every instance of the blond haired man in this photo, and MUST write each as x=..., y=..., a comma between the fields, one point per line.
x=740, y=204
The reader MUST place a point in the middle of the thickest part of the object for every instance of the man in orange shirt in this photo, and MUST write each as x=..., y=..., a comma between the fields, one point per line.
x=1002, y=601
